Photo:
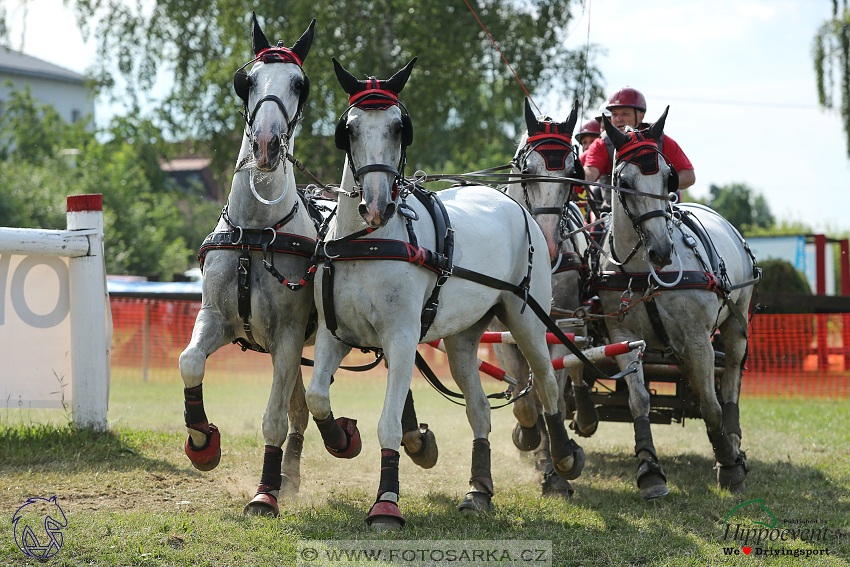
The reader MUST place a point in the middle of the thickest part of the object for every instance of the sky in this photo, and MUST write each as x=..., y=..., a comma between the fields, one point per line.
x=737, y=74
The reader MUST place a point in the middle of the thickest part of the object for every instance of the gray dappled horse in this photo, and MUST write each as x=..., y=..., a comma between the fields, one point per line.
x=546, y=150
x=710, y=286
x=378, y=303
x=241, y=300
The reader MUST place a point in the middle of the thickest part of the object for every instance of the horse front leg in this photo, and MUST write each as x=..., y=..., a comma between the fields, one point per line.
x=286, y=360
x=341, y=437
x=651, y=479
x=298, y=414
x=211, y=332
x=699, y=368
x=401, y=352
x=735, y=347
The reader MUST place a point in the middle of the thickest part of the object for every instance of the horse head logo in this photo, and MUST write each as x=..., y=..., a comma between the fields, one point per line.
x=35, y=512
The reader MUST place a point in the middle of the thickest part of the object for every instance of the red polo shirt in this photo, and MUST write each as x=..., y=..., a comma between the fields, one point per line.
x=597, y=156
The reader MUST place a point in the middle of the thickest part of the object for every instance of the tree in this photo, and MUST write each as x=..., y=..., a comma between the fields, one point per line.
x=145, y=226
x=462, y=98
x=782, y=276
x=741, y=206
x=831, y=55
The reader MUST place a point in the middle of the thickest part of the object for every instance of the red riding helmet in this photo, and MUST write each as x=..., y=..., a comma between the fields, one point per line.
x=590, y=127
x=629, y=98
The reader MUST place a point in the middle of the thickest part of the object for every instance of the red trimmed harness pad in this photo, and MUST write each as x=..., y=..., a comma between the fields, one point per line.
x=615, y=281
x=382, y=249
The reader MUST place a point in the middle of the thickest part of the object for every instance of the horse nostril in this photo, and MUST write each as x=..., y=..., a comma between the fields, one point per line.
x=255, y=147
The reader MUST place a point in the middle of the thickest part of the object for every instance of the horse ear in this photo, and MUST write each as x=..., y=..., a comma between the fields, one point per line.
x=260, y=41
x=349, y=82
x=570, y=124
x=396, y=82
x=617, y=138
x=302, y=46
x=530, y=119
x=657, y=129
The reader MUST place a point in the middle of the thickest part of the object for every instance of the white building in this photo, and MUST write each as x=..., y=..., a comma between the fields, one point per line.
x=50, y=84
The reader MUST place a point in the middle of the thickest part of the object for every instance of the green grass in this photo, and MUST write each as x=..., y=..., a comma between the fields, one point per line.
x=132, y=498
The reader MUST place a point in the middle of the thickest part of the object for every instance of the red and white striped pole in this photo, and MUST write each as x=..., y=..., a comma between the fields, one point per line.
x=597, y=353
x=89, y=348
x=483, y=365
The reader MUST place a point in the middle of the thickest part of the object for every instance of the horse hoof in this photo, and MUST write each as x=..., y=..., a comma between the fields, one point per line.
x=349, y=427
x=475, y=502
x=586, y=430
x=526, y=438
x=207, y=457
x=426, y=456
x=571, y=471
x=651, y=480
x=262, y=505
x=385, y=515
x=554, y=486
x=290, y=486
x=732, y=477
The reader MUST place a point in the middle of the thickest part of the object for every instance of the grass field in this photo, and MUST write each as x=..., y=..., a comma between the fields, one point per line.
x=131, y=497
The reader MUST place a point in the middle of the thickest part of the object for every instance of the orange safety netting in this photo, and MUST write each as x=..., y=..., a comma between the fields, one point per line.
x=789, y=355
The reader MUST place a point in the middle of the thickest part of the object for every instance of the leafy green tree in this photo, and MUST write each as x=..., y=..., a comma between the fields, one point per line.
x=741, y=206
x=43, y=159
x=463, y=99
x=782, y=276
x=831, y=56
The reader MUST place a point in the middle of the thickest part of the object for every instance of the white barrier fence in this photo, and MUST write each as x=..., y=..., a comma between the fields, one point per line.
x=54, y=329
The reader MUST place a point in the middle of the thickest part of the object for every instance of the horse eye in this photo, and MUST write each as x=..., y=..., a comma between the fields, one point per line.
x=299, y=85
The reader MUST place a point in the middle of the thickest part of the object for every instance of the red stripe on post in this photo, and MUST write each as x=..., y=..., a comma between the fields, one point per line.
x=617, y=348
x=493, y=371
x=84, y=203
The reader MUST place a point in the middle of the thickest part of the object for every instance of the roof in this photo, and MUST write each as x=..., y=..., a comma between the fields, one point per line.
x=16, y=63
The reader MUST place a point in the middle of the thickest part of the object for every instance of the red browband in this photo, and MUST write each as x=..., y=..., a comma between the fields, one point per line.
x=352, y=100
x=283, y=52
x=566, y=138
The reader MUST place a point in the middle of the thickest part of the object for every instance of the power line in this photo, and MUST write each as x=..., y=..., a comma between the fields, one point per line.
x=736, y=102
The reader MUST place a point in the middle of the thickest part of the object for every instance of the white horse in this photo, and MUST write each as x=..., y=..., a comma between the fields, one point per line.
x=710, y=286
x=378, y=303
x=244, y=302
x=545, y=150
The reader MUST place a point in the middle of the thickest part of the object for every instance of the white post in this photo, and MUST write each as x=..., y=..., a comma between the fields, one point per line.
x=89, y=382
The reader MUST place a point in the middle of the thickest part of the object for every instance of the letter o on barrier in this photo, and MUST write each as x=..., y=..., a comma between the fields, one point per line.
x=19, y=300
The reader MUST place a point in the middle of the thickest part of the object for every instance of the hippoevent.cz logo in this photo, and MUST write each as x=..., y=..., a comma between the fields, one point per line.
x=766, y=538
x=28, y=521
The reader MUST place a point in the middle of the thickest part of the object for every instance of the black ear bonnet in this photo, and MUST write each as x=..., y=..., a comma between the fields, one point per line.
x=641, y=149
x=373, y=95
x=553, y=140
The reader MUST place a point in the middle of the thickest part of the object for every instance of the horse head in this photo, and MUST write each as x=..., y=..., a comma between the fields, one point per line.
x=547, y=151
x=641, y=168
x=375, y=131
x=276, y=77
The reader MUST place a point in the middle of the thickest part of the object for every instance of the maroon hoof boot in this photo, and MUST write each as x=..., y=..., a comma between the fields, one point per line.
x=263, y=504
x=385, y=515
x=207, y=457
x=349, y=427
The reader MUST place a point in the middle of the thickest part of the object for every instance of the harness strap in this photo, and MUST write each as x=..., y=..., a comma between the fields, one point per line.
x=566, y=261
x=243, y=294
x=661, y=331
x=445, y=252
x=640, y=281
x=542, y=314
x=435, y=383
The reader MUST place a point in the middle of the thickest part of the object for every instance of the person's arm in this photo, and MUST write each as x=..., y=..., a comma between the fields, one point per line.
x=687, y=177
x=591, y=173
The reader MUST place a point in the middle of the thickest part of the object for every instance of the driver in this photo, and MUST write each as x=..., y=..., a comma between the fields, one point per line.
x=628, y=107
